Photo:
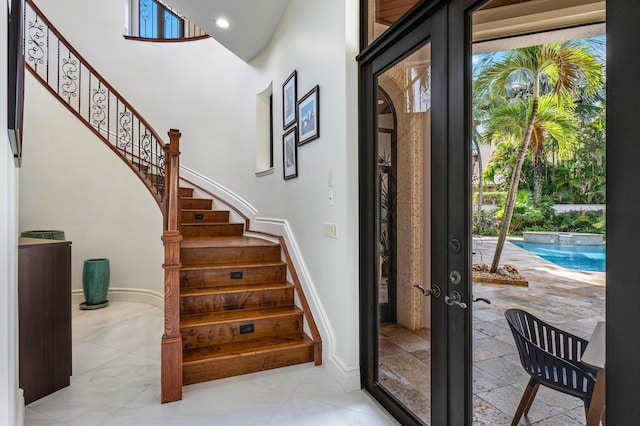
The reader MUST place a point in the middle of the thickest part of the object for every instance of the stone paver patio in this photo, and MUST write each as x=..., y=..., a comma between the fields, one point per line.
x=571, y=300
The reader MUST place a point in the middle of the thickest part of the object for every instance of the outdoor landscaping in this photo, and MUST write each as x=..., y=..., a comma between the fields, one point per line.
x=541, y=110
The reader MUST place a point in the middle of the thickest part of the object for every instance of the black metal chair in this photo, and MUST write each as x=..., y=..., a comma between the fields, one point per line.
x=551, y=357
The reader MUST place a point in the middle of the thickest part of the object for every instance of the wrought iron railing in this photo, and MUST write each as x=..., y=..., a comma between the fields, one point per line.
x=75, y=83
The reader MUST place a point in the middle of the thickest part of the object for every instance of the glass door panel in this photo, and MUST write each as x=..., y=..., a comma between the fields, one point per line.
x=415, y=341
x=404, y=135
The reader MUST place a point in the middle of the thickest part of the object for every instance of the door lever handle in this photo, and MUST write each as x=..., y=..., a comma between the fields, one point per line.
x=455, y=299
x=433, y=291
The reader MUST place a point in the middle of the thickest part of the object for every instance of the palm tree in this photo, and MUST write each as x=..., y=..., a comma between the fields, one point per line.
x=569, y=68
x=555, y=124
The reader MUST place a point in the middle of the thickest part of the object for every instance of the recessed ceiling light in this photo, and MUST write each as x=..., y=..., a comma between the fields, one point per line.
x=222, y=23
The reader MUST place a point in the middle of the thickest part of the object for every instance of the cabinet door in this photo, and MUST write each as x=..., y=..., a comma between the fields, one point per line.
x=44, y=297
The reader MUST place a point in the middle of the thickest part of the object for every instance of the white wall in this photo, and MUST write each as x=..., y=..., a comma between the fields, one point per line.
x=319, y=41
x=71, y=181
x=209, y=94
x=198, y=87
x=9, y=402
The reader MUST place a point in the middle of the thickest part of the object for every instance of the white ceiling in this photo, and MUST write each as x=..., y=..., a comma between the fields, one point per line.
x=252, y=22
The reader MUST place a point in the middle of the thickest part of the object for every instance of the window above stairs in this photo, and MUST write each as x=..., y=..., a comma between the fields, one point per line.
x=154, y=20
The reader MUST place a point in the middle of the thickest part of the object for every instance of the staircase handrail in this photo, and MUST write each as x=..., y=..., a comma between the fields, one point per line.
x=88, y=95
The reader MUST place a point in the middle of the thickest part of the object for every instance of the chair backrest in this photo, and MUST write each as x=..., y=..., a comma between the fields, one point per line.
x=550, y=354
x=547, y=337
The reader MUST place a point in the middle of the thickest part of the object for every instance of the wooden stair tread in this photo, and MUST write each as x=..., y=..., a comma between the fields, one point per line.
x=238, y=315
x=226, y=241
x=196, y=198
x=212, y=224
x=234, y=265
x=203, y=211
x=248, y=347
x=238, y=288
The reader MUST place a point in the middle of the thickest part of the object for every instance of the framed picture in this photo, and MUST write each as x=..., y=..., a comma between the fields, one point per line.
x=309, y=116
x=289, y=98
x=15, y=79
x=290, y=153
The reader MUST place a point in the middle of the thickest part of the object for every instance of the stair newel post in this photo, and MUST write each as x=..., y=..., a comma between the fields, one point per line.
x=171, y=238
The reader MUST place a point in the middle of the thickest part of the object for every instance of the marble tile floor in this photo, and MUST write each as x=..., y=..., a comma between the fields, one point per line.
x=572, y=300
x=116, y=358
x=116, y=381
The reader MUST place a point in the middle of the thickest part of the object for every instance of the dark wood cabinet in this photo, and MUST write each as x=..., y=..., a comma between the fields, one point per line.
x=44, y=311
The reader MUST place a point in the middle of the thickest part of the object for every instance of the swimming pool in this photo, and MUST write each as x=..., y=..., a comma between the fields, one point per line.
x=583, y=258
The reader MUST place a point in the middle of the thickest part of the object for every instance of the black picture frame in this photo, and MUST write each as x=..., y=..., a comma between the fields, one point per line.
x=15, y=78
x=309, y=116
x=290, y=154
x=289, y=100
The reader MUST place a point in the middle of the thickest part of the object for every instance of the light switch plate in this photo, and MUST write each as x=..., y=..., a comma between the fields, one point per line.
x=330, y=230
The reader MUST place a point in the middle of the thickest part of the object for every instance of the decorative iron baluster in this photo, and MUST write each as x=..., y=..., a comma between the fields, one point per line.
x=47, y=67
x=109, y=116
x=98, y=107
x=35, y=52
x=125, y=129
x=46, y=53
x=57, y=70
x=69, y=86
x=160, y=164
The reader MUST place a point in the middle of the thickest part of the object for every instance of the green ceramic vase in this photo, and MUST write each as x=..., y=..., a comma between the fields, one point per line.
x=47, y=235
x=95, y=283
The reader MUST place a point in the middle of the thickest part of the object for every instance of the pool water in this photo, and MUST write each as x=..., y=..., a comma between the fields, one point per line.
x=583, y=258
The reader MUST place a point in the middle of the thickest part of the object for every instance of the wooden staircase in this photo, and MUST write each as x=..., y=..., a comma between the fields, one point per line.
x=237, y=311
x=228, y=308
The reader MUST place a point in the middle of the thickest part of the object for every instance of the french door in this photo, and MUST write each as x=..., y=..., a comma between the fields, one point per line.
x=415, y=253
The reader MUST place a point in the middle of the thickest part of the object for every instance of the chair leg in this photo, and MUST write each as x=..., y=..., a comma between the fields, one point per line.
x=586, y=414
x=531, y=398
x=527, y=398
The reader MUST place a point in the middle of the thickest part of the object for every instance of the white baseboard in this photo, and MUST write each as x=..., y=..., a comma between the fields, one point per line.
x=20, y=408
x=137, y=295
x=220, y=191
x=348, y=377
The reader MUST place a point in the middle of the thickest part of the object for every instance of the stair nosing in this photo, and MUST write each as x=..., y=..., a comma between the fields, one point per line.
x=232, y=265
x=211, y=224
x=302, y=341
x=242, y=315
x=204, y=210
x=211, y=241
x=237, y=288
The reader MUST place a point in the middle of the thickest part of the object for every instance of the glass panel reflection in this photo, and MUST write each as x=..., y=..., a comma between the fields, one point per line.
x=404, y=127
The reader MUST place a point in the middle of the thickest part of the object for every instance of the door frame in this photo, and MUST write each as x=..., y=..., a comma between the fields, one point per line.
x=622, y=230
x=447, y=25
